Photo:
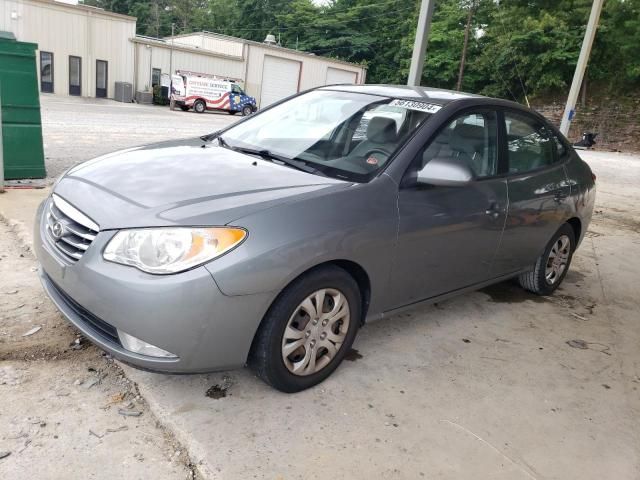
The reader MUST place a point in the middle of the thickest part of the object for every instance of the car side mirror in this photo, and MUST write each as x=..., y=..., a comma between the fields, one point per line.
x=444, y=173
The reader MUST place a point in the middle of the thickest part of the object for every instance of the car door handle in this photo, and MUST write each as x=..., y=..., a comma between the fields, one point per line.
x=493, y=211
x=560, y=195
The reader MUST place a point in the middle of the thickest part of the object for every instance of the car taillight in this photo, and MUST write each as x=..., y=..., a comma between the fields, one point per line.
x=593, y=176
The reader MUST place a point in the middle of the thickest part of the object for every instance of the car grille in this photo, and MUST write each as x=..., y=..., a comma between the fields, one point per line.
x=96, y=325
x=70, y=231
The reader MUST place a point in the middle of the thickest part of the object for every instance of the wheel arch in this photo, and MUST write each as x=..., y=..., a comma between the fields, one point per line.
x=576, y=225
x=354, y=269
x=361, y=277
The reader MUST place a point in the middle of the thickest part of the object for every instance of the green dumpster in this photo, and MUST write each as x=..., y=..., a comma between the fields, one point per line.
x=21, y=125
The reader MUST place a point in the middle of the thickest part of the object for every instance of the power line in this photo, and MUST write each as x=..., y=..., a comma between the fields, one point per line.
x=515, y=63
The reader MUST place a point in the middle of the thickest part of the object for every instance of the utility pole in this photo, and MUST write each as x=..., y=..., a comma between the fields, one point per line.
x=173, y=25
x=472, y=8
x=172, y=104
x=420, y=45
x=585, y=52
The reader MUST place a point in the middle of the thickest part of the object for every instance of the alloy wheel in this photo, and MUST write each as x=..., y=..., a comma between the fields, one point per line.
x=558, y=259
x=315, y=332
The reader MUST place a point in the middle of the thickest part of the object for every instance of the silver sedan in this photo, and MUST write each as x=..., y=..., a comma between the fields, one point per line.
x=270, y=243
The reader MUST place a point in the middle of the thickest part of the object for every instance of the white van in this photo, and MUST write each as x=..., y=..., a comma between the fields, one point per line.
x=204, y=92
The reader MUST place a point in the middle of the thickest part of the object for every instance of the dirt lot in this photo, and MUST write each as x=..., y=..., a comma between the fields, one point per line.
x=67, y=410
x=493, y=384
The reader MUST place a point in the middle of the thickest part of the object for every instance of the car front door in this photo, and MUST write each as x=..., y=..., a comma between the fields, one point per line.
x=538, y=191
x=449, y=235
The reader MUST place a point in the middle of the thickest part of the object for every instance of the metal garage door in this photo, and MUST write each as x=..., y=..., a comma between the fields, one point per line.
x=336, y=75
x=279, y=79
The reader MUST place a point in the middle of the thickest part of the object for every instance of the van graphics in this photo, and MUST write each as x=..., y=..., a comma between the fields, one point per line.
x=217, y=94
x=221, y=102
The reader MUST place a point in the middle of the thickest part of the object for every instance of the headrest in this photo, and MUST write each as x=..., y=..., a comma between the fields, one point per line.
x=381, y=130
x=467, y=138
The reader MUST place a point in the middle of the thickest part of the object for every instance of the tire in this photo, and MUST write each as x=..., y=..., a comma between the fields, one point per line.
x=232, y=112
x=546, y=274
x=184, y=108
x=199, y=106
x=269, y=357
x=246, y=111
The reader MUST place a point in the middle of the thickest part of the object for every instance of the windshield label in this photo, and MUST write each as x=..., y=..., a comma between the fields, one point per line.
x=420, y=106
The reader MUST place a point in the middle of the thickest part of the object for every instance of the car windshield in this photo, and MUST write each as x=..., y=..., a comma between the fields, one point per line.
x=344, y=135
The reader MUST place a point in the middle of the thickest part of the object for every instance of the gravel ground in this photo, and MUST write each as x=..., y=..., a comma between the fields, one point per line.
x=78, y=129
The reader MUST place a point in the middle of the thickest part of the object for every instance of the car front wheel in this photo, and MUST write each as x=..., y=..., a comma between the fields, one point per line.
x=246, y=111
x=552, y=266
x=308, y=330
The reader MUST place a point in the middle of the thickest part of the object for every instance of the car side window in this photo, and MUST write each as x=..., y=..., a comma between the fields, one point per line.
x=529, y=143
x=470, y=139
x=561, y=150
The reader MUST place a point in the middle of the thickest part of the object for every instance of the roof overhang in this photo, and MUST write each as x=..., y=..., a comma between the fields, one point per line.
x=161, y=43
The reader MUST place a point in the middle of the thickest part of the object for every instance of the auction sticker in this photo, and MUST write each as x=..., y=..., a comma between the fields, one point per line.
x=420, y=106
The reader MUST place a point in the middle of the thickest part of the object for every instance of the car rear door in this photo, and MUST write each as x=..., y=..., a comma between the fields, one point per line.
x=448, y=236
x=538, y=190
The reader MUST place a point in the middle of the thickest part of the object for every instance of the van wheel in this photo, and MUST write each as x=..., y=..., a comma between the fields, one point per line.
x=184, y=108
x=199, y=106
x=552, y=266
x=246, y=111
x=308, y=330
x=232, y=112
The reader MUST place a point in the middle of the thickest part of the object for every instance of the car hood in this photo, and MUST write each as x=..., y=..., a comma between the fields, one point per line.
x=187, y=182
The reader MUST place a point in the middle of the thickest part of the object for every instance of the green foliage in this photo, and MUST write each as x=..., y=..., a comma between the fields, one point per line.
x=515, y=47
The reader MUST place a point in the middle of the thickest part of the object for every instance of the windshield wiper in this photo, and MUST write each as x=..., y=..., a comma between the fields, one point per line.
x=274, y=158
x=210, y=136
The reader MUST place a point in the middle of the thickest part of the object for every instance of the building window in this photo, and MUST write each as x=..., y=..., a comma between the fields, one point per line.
x=46, y=72
x=156, y=74
x=75, y=75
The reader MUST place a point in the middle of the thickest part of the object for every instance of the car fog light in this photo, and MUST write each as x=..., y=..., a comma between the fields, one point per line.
x=136, y=345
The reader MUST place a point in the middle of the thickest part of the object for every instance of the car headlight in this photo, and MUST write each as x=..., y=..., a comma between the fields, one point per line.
x=172, y=249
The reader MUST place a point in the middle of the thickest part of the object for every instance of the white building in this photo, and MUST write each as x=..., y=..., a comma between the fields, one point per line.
x=272, y=72
x=81, y=50
x=85, y=50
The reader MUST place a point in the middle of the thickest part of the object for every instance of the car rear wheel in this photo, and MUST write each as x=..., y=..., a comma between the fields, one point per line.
x=199, y=106
x=552, y=266
x=184, y=108
x=308, y=330
x=232, y=112
x=246, y=111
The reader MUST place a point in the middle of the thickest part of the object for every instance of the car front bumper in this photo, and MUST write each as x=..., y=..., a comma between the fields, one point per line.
x=185, y=314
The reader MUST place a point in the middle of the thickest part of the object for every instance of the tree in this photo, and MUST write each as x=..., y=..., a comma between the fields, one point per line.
x=513, y=49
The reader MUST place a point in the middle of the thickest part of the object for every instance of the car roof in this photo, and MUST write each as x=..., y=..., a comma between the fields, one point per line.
x=433, y=95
